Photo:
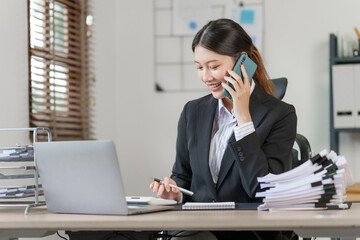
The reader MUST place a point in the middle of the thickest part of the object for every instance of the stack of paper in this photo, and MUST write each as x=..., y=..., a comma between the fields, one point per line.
x=23, y=154
x=319, y=183
x=20, y=191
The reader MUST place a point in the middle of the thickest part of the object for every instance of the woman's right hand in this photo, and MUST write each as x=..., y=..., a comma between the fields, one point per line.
x=165, y=191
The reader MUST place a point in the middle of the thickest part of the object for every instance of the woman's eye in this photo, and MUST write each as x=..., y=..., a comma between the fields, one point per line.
x=199, y=68
x=214, y=68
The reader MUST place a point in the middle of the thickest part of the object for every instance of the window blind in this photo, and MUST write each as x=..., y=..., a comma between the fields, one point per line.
x=59, y=68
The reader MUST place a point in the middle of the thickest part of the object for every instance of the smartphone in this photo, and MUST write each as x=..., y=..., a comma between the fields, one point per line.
x=250, y=68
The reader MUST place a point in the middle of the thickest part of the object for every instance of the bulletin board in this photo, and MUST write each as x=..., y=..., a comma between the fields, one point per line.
x=174, y=66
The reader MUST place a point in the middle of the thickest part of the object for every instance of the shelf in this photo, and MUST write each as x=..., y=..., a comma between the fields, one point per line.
x=347, y=129
x=344, y=60
x=336, y=60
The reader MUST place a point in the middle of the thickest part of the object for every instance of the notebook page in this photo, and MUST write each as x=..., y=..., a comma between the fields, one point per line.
x=208, y=205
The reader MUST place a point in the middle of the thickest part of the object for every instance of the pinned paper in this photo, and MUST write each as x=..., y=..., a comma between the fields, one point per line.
x=247, y=16
x=189, y=16
x=250, y=18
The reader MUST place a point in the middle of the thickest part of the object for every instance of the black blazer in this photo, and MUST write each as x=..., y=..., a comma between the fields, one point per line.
x=267, y=150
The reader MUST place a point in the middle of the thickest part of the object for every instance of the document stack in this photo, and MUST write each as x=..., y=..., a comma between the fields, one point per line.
x=19, y=178
x=318, y=183
x=16, y=167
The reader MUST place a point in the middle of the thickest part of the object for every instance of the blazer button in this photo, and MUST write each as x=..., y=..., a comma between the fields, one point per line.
x=240, y=154
x=242, y=158
x=238, y=149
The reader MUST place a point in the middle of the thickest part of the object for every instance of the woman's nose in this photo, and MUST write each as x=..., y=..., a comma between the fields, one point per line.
x=206, y=75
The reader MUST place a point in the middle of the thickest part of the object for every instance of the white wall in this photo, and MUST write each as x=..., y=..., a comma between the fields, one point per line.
x=13, y=71
x=104, y=40
x=146, y=120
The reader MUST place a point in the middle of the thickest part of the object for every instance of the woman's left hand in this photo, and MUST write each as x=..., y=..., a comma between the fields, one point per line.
x=241, y=95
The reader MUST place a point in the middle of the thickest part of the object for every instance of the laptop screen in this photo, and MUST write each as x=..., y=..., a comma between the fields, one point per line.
x=81, y=177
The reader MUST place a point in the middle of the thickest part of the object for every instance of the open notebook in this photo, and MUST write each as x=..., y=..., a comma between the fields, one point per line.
x=208, y=205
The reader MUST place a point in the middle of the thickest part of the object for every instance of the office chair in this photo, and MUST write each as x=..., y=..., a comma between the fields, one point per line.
x=280, y=85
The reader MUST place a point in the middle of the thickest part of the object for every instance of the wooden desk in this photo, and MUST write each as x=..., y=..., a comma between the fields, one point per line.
x=330, y=223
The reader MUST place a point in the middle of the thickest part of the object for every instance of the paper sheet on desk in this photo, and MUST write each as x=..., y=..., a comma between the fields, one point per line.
x=149, y=200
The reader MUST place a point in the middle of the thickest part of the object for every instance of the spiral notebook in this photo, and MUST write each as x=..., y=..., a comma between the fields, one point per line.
x=208, y=205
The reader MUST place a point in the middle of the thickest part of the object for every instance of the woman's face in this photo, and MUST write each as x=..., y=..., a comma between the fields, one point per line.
x=212, y=68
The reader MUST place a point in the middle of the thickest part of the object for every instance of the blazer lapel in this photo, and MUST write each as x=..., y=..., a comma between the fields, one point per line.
x=257, y=111
x=256, y=106
x=227, y=162
x=205, y=119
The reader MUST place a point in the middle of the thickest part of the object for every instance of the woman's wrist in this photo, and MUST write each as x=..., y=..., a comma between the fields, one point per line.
x=243, y=119
x=243, y=130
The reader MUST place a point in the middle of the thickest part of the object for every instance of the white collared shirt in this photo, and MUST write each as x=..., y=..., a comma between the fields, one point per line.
x=223, y=127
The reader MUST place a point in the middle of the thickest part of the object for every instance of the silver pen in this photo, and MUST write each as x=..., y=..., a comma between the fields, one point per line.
x=183, y=190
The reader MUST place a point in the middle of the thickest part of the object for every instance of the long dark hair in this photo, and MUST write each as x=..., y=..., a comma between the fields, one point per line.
x=226, y=37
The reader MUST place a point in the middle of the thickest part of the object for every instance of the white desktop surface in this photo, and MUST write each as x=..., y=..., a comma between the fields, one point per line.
x=325, y=223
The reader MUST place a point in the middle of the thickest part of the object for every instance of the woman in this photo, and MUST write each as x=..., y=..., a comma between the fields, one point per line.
x=223, y=145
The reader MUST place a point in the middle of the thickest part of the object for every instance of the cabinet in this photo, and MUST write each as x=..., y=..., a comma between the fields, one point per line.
x=344, y=94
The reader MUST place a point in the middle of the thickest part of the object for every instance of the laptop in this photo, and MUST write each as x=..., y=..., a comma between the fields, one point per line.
x=84, y=177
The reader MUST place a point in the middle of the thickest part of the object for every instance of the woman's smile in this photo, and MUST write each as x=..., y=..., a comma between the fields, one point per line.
x=215, y=87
